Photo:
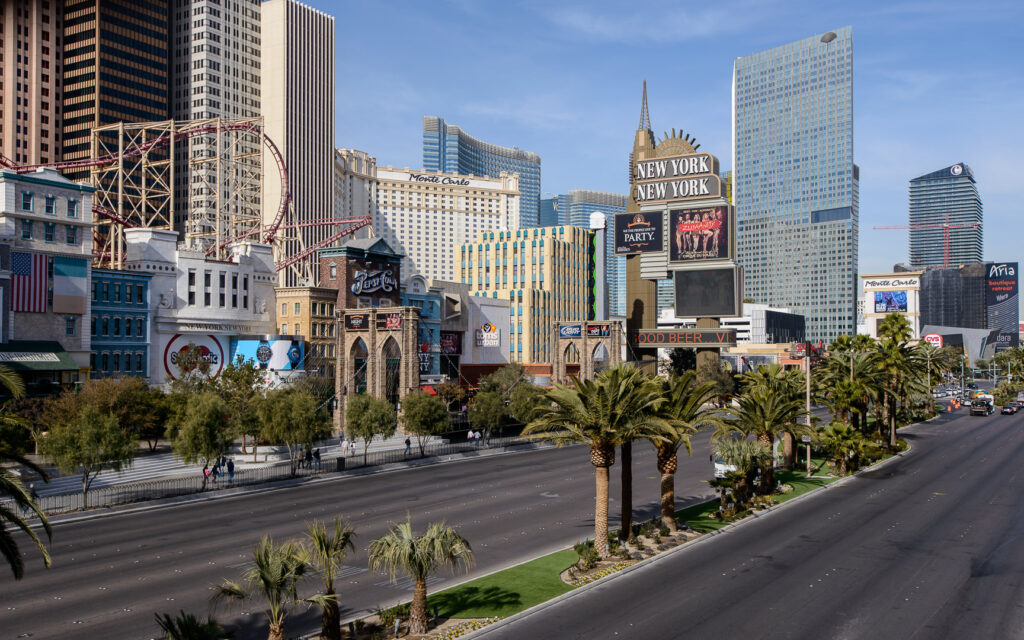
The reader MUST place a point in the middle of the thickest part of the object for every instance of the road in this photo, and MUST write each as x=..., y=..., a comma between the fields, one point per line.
x=927, y=546
x=111, y=574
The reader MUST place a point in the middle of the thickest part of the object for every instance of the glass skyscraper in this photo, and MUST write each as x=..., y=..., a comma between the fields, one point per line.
x=947, y=195
x=448, y=148
x=794, y=181
x=574, y=208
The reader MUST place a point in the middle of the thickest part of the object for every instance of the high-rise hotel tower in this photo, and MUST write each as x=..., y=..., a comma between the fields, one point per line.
x=794, y=180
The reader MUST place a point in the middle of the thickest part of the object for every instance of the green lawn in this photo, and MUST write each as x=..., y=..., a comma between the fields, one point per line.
x=506, y=592
x=698, y=517
x=800, y=482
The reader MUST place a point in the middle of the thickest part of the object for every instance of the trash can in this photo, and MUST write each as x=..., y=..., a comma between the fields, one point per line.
x=341, y=464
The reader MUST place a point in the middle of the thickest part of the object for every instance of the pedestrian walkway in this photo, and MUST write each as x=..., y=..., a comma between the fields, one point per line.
x=168, y=465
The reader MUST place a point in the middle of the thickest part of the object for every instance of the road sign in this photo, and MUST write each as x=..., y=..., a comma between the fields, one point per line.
x=805, y=439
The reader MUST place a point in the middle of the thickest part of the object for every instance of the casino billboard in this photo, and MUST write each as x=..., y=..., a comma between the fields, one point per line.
x=639, y=232
x=700, y=234
x=1001, y=302
x=677, y=178
x=708, y=292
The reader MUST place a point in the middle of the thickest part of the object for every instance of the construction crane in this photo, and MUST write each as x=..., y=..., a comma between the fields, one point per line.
x=945, y=226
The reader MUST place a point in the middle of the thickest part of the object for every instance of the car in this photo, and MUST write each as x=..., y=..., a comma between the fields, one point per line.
x=1009, y=409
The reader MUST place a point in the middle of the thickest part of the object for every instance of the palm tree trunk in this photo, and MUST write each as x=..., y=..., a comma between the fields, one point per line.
x=767, y=471
x=418, y=610
x=626, y=522
x=330, y=620
x=788, y=451
x=85, y=491
x=668, y=461
x=276, y=631
x=601, y=510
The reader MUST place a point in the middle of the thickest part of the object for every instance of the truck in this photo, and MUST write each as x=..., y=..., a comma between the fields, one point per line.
x=983, y=404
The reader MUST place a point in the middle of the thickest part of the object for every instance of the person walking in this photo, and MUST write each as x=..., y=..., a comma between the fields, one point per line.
x=316, y=459
x=309, y=458
x=231, y=470
x=352, y=448
x=32, y=496
x=215, y=471
x=206, y=475
x=408, y=446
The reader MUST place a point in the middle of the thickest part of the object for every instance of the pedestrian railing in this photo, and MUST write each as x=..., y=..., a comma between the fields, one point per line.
x=111, y=495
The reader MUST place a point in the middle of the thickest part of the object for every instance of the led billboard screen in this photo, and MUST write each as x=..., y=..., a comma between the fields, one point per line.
x=708, y=293
x=699, y=234
x=890, y=301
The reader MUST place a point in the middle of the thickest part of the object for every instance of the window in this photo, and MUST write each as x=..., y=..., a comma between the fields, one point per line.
x=71, y=237
x=138, y=362
x=26, y=200
x=297, y=307
x=334, y=271
x=284, y=308
x=139, y=294
x=191, y=286
x=128, y=293
x=140, y=329
x=117, y=327
x=117, y=292
x=95, y=290
x=207, y=282
x=72, y=208
x=93, y=332
x=49, y=231
x=104, y=362
x=117, y=362
x=221, y=293
x=26, y=229
x=245, y=292
x=284, y=329
x=234, y=290
x=106, y=292
x=106, y=330
x=69, y=325
x=50, y=205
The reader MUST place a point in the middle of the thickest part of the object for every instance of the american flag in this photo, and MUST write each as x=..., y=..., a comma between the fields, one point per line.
x=28, y=280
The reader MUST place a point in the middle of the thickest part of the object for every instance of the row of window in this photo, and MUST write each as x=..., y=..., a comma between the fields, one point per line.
x=118, y=362
x=105, y=324
x=318, y=308
x=102, y=290
x=49, y=204
x=50, y=232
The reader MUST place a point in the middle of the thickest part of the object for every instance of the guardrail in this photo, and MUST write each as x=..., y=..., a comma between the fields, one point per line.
x=127, y=493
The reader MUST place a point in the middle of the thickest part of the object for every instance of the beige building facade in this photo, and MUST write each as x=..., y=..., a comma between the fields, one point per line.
x=427, y=216
x=545, y=273
x=309, y=312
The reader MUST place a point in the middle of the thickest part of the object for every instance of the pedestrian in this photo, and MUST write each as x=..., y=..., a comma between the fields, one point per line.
x=316, y=458
x=344, y=447
x=352, y=448
x=231, y=470
x=309, y=458
x=408, y=446
x=32, y=496
x=215, y=471
x=206, y=475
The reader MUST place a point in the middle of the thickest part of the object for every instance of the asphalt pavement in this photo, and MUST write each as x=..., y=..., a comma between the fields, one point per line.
x=926, y=546
x=111, y=573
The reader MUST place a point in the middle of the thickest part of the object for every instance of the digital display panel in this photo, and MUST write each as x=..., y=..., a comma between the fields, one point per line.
x=890, y=301
x=707, y=293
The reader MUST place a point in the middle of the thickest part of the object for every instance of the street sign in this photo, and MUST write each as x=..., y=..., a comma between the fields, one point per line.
x=805, y=438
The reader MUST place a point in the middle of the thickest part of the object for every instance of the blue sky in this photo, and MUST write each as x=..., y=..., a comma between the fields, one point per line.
x=934, y=83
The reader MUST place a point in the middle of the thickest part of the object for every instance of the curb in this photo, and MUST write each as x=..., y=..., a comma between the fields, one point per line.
x=276, y=485
x=689, y=545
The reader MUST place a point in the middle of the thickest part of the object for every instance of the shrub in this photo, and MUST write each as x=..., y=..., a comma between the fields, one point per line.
x=388, y=616
x=588, y=556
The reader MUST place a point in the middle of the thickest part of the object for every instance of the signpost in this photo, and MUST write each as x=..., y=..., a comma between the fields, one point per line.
x=807, y=441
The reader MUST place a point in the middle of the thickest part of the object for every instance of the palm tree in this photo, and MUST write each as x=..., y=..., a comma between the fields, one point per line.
x=747, y=456
x=689, y=408
x=12, y=486
x=895, y=361
x=788, y=383
x=764, y=415
x=401, y=551
x=597, y=413
x=325, y=553
x=274, y=575
x=185, y=626
x=845, y=446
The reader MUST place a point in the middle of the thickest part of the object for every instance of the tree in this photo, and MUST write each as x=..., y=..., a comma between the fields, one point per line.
x=273, y=577
x=451, y=393
x=689, y=409
x=789, y=383
x=240, y=385
x=199, y=434
x=486, y=411
x=292, y=418
x=596, y=413
x=194, y=367
x=765, y=415
x=138, y=408
x=32, y=412
x=424, y=416
x=844, y=445
x=400, y=551
x=525, y=400
x=368, y=417
x=720, y=375
x=504, y=378
x=88, y=443
x=681, y=360
x=747, y=456
x=186, y=626
x=324, y=551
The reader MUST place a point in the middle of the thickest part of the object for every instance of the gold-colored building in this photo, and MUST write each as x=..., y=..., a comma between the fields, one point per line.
x=544, y=273
x=309, y=312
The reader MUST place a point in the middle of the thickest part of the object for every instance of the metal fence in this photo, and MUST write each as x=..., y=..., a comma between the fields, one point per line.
x=108, y=496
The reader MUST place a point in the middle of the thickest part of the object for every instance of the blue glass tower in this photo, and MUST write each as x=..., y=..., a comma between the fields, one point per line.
x=794, y=181
x=949, y=195
x=574, y=208
x=448, y=148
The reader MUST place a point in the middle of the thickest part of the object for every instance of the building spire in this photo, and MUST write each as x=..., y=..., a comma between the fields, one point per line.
x=645, y=117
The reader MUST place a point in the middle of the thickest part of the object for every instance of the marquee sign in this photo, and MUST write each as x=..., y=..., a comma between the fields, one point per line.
x=686, y=177
x=357, y=322
x=488, y=336
x=683, y=338
x=389, y=321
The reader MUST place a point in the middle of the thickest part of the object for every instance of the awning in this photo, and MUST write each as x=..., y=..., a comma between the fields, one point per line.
x=428, y=389
x=36, y=355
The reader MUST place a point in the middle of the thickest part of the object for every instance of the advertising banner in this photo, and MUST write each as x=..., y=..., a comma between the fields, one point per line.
x=1001, y=301
x=683, y=337
x=389, y=321
x=934, y=339
x=277, y=354
x=451, y=343
x=890, y=301
x=372, y=283
x=597, y=330
x=487, y=336
x=570, y=331
x=708, y=293
x=639, y=232
x=357, y=322
x=210, y=347
x=700, y=234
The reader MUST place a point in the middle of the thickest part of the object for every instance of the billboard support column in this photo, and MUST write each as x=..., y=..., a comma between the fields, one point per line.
x=709, y=356
x=641, y=311
x=340, y=393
